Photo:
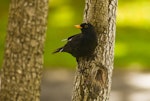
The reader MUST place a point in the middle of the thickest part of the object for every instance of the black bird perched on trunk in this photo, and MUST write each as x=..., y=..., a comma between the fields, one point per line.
x=82, y=44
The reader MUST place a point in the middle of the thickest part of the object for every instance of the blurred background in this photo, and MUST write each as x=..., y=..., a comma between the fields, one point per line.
x=132, y=48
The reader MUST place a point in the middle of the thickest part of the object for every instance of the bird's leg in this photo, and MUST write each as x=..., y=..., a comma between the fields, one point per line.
x=90, y=57
x=77, y=60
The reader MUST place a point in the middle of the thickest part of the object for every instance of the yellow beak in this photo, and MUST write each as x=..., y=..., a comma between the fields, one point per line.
x=78, y=26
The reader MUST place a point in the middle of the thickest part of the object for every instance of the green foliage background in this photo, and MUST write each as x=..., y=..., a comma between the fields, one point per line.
x=132, y=47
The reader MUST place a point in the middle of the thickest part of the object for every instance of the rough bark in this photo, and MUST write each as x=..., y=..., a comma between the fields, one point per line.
x=93, y=76
x=23, y=59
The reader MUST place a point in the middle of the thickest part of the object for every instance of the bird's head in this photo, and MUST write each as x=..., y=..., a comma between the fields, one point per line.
x=85, y=26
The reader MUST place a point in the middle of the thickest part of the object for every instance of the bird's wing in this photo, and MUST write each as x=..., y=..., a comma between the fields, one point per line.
x=70, y=38
x=73, y=43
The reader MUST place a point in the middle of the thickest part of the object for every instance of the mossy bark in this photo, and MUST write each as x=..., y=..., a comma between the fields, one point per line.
x=93, y=76
x=23, y=59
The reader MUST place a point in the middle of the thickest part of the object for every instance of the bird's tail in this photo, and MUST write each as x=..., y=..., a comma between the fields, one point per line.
x=58, y=50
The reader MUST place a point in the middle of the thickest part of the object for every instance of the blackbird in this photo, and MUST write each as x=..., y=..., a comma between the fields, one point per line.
x=82, y=44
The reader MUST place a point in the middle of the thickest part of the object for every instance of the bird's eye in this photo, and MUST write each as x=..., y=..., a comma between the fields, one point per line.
x=86, y=26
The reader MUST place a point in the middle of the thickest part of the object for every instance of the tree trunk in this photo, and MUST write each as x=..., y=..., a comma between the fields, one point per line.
x=93, y=77
x=23, y=59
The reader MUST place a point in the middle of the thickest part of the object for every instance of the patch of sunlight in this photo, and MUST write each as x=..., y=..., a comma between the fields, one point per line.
x=139, y=96
x=63, y=17
x=141, y=81
x=135, y=65
x=134, y=13
x=116, y=96
x=121, y=49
